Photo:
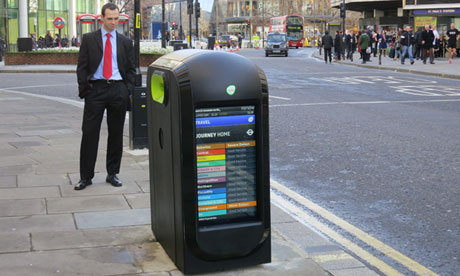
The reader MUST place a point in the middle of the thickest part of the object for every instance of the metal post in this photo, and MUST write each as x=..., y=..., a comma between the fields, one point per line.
x=137, y=27
x=190, y=29
x=180, y=21
x=163, y=27
x=343, y=28
x=196, y=21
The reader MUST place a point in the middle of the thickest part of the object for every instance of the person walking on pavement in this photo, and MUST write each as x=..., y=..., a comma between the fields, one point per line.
x=452, y=37
x=106, y=76
x=407, y=39
x=338, y=45
x=327, y=44
x=383, y=45
x=364, y=44
x=2, y=47
x=418, y=43
x=427, y=42
x=48, y=40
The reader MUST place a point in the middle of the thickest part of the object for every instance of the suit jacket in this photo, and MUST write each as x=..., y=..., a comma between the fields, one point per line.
x=428, y=37
x=90, y=57
x=327, y=41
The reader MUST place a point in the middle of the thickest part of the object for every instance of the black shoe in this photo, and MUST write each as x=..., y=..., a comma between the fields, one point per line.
x=402, y=63
x=431, y=62
x=82, y=184
x=412, y=62
x=114, y=180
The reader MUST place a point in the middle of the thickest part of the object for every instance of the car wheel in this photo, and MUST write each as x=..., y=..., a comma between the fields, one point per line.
x=266, y=54
x=286, y=54
x=297, y=47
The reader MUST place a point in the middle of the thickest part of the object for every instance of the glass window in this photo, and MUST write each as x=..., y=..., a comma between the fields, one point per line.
x=12, y=27
x=41, y=24
x=12, y=3
x=49, y=22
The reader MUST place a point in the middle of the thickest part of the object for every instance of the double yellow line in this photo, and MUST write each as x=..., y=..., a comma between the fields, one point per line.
x=358, y=233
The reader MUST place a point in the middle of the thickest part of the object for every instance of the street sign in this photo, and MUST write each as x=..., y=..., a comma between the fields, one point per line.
x=59, y=22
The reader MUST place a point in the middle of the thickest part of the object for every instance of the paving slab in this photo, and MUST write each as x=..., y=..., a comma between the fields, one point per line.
x=14, y=242
x=138, y=201
x=92, y=238
x=301, y=235
x=362, y=271
x=17, y=169
x=301, y=267
x=28, y=193
x=15, y=160
x=58, y=167
x=144, y=185
x=86, y=204
x=91, y=261
x=35, y=180
x=112, y=218
x=279, y=216
x=8, y=181
x=44, y=132
x=151, y=257
x=22, y=207
x=39, y=223
x=284, y=250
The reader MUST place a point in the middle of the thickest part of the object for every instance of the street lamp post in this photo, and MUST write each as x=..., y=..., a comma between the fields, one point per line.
x=163, y=27
x=137, y=30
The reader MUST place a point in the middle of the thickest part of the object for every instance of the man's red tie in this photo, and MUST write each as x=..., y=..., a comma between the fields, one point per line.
x=107, y=69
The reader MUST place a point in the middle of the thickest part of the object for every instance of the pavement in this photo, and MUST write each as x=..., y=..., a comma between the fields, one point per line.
x=441, y=68
x=48, y=228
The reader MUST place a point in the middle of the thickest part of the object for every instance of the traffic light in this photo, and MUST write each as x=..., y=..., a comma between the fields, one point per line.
x=249, y=23
x=173, y=26
x=189, y=6
x=197, y=9
x=342, y=10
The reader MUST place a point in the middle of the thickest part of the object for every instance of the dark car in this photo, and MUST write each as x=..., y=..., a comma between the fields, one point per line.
x=277, y=43
x=226, y=41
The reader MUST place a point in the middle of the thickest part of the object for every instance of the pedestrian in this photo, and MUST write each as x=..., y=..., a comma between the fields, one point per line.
x=435, y=41
x=407, y=39
x=364, y=45
x=327, y=44
x=240, y=41
x=48, y=40
x=338, y=45
x=418, y=43
x=2, y=47
x=350, y=42
x=452, y=38
x=427, y=43
x=383, y=45
x=74, y=41
x=397, y=44
x=34, y=41
x=106, y=75
x=374, y=43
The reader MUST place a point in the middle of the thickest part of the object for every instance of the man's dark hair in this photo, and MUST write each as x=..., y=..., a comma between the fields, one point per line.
x=110, y=6
x=326, y=32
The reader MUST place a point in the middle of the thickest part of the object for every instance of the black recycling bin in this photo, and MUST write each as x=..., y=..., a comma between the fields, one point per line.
x=209, y=160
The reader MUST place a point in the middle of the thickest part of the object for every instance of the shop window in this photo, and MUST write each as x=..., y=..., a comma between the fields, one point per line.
x=12, y=4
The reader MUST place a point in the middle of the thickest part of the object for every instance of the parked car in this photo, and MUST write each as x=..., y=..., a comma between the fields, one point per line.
x=226, y=41
x=277, y=43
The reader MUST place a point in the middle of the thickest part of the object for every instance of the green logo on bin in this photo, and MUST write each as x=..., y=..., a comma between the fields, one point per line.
x=231, y=89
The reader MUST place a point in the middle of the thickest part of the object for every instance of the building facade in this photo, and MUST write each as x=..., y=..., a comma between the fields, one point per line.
x=391, y=14
x=21, y=18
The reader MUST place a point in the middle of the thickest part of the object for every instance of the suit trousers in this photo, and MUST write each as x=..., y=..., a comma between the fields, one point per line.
x=426, y=53
x=114, y=98
x=327, y=54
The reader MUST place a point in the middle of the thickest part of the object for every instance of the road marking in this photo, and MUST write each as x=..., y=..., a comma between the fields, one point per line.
x=37, y=86
x=279, y=98
x=376, y=79
x=11, y=99
x=311, y=221
x=358, y=233
x=428, y=90
x=58, y=99
x=357, y=103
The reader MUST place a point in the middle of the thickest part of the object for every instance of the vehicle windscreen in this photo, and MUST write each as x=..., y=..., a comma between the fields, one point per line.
x=295, y=34
x=294, y=20
x=276, y=38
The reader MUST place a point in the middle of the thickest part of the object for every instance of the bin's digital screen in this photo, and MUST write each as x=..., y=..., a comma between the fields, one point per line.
x=226, y=164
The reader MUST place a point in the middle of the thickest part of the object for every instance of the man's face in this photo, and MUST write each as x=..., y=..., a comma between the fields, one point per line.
x=110, y=20
x=452, y=26
x=427, y=27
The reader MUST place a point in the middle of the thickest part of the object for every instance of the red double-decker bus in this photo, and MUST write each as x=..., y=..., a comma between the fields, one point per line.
x=292, y=25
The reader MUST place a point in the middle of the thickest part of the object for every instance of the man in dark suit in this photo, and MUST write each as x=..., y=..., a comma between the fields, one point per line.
x=106, y=76
x=427, y=44
x=327, y=43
